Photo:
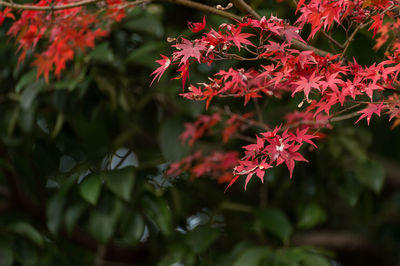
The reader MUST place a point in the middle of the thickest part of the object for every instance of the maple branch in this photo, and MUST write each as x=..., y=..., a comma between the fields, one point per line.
x=321, y=122
x=258, y=110
x=61, y=7
x=245, y=138
x=206, y=8
x=359, y=27
x=251, y=122
x=349, y=40
x=245, y=8
x=332, y=40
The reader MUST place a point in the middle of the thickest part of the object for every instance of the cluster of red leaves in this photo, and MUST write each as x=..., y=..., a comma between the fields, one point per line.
x=326, y=82
x=322, y=14
x=391, y=29
x=64, y=32
x=198, y=129
x=280, y=148
x=218, y=165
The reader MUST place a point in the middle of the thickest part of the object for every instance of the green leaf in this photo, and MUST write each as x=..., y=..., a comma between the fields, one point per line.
x=135, y=232
x=121, y=181
x=72, y=215
x=354, y=147
x=158, y=212
x=276, y=223
x=371, y=174
x=58, y=125
x=350, y=190
x=102, y=53
x=102, y=223
x=25, y=80
x=252, y=256
x=90, y=188
x=311, y=215
x=171, y=147
x=27, y=230
x=314, y=260
x=30, y=93
x=146, y=23
x=146, y=55
x=6, y=254
x=200, y=238
x=54, y=212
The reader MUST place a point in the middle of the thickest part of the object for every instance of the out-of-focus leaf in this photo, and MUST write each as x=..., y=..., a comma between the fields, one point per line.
x=275, y=222
x=30, y=93
x=90, y=188
x=58, y=125
x=146, y=23
x=200, y=238
x=252, y=256
x=135, y=230
x=72, y=215
x=158, y=211
x=54, y=212
x=311, y=215
x=171, y=147
x=371, y=174
x=27, y=78
x=102, y=223
x=102, y=53
x=353, y=147
x=179, y=254
x=314, y=260
x=121, y=181
x=146, y=55
x=6, y=255
x=28, y=231
x=350, y=190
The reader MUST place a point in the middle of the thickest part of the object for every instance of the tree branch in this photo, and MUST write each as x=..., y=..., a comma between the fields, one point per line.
x=245, y=8
x=206, y=8
x=62, y=7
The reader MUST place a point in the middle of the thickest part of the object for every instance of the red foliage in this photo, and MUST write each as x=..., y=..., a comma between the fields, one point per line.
x=331, y=87
x=327, y=82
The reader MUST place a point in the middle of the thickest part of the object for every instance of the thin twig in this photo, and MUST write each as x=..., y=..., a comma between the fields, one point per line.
x=202, y=7
x=245, y=8
x=258, y=110
x=62, y=7
x=359, y=27
x=332, y=40
x=250, y=122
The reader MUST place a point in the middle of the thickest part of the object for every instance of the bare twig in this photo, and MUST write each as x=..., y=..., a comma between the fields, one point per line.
x=332, y=40
x=250, y=122
x=359, y=27
x=245, y=8
x=62, y=7
x=206, y=8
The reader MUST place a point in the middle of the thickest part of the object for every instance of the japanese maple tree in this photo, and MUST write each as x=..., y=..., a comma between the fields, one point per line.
x=98, y=95
x=332, y=86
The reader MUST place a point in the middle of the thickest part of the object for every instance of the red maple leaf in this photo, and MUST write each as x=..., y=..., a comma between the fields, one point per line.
x=197, y=26
x=331, y=82
x=290, y=33
x=184, y=74
x=370, y=110
x=238, y=38
x=187, y=49
x=306, y=85
x=378, y=19
x=164, y=64
x=301, y=137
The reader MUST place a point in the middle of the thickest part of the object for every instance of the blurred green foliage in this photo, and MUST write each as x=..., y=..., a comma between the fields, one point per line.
x=82, y=161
